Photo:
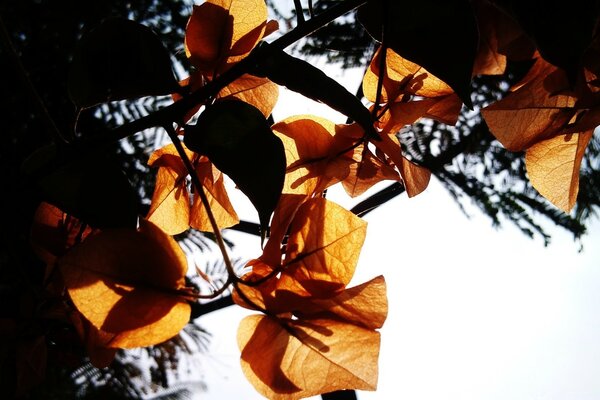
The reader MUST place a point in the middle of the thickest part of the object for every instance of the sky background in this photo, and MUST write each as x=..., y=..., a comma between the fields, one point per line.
x=474, y=312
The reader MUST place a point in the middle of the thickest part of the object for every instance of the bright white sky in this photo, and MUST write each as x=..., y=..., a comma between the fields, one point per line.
x=474, y=313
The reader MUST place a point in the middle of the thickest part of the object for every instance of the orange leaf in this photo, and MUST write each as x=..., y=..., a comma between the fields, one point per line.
x=553, y=167
x=537, y=110
x=490, y=20
x=415, y=177
x=366, y=172
x=260, y=92
x=316, y=155
x=213, y=182
x=292, y=359
x=125, y=282
x=401, y=77
x=322, y=249
x=224, y=31
x=170, y=206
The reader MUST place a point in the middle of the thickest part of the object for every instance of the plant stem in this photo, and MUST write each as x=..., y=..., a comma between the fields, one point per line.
x=197, y=185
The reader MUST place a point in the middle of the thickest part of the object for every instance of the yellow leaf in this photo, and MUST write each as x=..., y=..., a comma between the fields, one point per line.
x=553, y=167
x=293, y=359
x=322, y=249
x=126, y=282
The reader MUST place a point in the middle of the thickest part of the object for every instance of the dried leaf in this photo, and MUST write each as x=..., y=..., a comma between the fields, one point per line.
x=366, y=172
x=292, y=359
x=322, y=249
x=401, y=77
x=316, y=156
x=214, y=184
x=259, y=92
x=126, y=282
x=170, y=205
x=537, y=110
x=553, y=167
x=441, y=36
x=223, y=31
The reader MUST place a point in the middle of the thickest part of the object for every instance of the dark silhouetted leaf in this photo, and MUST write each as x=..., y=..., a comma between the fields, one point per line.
x=308, y=80
x=561, y=30
x=439, y=35
x=236, y=137
x=93, y=190
x=119, y=59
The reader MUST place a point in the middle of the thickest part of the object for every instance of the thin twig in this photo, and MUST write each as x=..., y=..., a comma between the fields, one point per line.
x=197, y=185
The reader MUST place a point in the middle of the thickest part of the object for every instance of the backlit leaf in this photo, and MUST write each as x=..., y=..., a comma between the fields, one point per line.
x=323, y=248
x=236, y=137
x=366, y=172
x=223, y=31
x=401, y=77
x=293, y=359
x=214, y=184
x=170, y=205
x=119, y=59
x=126, y=282
x=553, y=167
x=440, y=35
x=535, y=111
x=316, y=155
x=259, y=92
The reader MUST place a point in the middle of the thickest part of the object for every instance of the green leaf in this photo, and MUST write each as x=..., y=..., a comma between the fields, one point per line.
x=238, y=140
x=91, y=189
x=439, y=35
x=119, y=59
x=561, y=30
x=308, y=80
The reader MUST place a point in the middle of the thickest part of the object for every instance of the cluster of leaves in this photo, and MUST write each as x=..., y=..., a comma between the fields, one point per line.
x=122, y=275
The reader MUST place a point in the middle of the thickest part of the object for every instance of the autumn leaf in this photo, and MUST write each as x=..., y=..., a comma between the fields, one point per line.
x=536, y=110
x=316, y=156
x=213, y=182
x=259, y=92
x=223, y=31
x=553, y=167
x=292, y=359
x=366, y=172
x=401, y=77
x=322, y=249
x=170, y=206
x=126, y=282
x=441, y=36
